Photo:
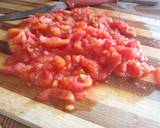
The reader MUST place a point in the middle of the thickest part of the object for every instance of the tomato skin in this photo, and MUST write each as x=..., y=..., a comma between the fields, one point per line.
x=21, y=68
x=42, y=27
x=97, y=33
x=56, y=93
x=121, y=70
x=131, y=32
x=20, y=38
x=78, y=48
x=41, y=78
x=133, y=44
x=109, y=43
x=80, y=95
x=100, y=76
x=59, y=62
x=54, y=42
x=89, y=65
x=10, y=60
x=146, y=68
x=56, y=31
x=81, y=25
x=113, y=61
x=76, y=84
x=44, y=95
x=78, y=35
x=134, y=69
x=124, y=28
x=128, y=53
x=157, y=76
x=12, y=32
x=62, y=94
x=7, y=70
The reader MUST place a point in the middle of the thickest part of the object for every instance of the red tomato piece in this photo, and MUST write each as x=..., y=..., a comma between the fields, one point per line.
x=157, y=76
x=41, y=78
x=54, y=42
x=81, y=25
x=44, y=95
x=97, y=33
x=113, y=61
x=121, y=70
x=78, y=47
x=80, y=95
x=128, y=53
x=20, y=38
x=133, y=43
x=62, y=94
x=123, y=27
x=12, y=32
x=59, y=62
x=146, y=68
x=89, y=65
x=76, y=83
x=109, y=43
x=22, y=70
x=56, y=31
x=78, y=35
x=134, y=69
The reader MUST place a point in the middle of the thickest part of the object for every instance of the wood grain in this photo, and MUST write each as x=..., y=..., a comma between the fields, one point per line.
x=121, y=103
x=9, y=123
x=145, y=20
x=26, y=110
x=14, y=6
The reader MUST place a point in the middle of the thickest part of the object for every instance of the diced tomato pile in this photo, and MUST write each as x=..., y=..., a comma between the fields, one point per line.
x=66, y=52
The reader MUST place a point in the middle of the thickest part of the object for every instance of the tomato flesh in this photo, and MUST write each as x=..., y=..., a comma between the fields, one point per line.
x=157, y=76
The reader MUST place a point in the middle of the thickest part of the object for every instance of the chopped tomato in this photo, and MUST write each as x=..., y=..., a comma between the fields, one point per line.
x=89, y=65
x=42, y=27
x=128, y=53
x=12, y=32
x=62, y=94
x=124, y=28
x=80, y=95
x=66, y=52
x=56, y=31
x=146, y=68
x=55, y=93
x=81, y=24
x=157, y=76
x=135, y=69
x=20, y=38
x=53, y=42
x=59, y=62
x=44, y=95
x=41, y=78
x=121, y=70
x=76, y=84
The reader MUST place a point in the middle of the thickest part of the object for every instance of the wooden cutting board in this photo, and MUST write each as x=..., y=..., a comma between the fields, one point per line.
x=119, y=104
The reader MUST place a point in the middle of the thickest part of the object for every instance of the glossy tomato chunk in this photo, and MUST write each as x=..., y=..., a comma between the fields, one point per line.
x=76, y=84
x=62, y=94
x=121, y=70
x=135, y=69
x=157, y=76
